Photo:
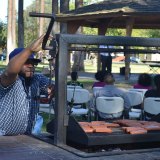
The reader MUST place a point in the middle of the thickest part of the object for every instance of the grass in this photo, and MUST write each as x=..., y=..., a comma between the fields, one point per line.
x=89, y=67
x=2, y=66
x=46, y=119
x=135, y=67
x=87, y=83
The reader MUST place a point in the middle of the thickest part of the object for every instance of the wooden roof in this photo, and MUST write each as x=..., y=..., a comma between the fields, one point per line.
x=114, y=13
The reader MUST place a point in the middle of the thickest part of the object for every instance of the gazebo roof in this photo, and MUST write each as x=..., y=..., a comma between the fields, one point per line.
x=114, y=14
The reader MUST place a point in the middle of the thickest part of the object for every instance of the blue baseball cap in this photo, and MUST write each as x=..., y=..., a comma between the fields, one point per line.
x=18, y=50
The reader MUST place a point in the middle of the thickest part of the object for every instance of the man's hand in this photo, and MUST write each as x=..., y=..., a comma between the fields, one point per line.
x=36, y=45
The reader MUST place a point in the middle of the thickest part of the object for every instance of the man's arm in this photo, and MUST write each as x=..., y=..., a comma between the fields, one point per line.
x=15, y=64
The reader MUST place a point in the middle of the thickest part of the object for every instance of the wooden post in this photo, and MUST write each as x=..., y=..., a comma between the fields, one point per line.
x=20, y=24
x=64, y=6
x=101, y=31
x=61, y=117
x=129, y=26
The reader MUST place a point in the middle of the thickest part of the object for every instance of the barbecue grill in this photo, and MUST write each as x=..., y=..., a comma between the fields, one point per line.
x=76, y=135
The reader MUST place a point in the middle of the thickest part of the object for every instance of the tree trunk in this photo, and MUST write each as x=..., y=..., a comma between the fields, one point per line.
x=78, y=64
x=55, y=6
x=14, y=23
x=37, y=10
x=78, y=3
x=41, y=21
x=11, y=31
x=56, y=27
x=78, y=58
x=129, y=27
x=64, y=6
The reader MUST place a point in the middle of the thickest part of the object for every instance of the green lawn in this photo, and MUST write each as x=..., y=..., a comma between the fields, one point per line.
x=135, y=68
x=89, y=67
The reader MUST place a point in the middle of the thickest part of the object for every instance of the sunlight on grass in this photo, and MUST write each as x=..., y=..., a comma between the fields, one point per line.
x=135, y=68
x=90, y=67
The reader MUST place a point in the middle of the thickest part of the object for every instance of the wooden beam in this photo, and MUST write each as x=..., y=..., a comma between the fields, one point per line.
x=113, y=50
x=111, y=40
x=72, y=28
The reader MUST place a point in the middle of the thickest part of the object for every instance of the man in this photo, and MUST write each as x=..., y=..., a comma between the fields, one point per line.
x=109, y=90
x=19, y=91
x=106, y=60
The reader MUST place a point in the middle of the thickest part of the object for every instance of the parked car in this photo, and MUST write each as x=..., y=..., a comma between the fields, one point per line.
x=122, y=59
x=134, y=59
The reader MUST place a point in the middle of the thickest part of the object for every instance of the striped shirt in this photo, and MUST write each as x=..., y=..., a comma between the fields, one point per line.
x=19, y=105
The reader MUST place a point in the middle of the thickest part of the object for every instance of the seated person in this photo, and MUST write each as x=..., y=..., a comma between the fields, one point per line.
x=74, y=82
x=110, y=90
x=99, y=76
x=156, y=91
x=144, y=82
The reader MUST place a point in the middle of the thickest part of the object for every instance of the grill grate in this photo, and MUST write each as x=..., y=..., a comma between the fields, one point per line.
x=75, y=134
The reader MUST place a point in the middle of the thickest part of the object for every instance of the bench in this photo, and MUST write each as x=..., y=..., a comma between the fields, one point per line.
x=154, y=68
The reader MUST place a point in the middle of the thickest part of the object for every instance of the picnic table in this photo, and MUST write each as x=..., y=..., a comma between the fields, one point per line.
x=154, y=66
x=23, y=147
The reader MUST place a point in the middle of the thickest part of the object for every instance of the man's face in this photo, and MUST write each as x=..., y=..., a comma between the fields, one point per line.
x=28, y=69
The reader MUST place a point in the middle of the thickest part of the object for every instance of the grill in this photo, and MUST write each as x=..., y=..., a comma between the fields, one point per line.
x=75, y=134
x=78, y=138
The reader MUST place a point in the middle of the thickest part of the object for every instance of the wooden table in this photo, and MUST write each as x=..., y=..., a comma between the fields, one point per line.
x=154, y=66
x=29, y=148
x=151, y=62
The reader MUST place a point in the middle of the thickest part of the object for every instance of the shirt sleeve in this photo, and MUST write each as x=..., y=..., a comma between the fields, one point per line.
x=43, y=83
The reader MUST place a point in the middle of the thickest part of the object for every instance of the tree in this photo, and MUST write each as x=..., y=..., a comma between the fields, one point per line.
x=153, y=33
x=64, y=6
x=32, y=24
x=3, y=34
x=78, y=60
x=11, y=30
x=41, y=21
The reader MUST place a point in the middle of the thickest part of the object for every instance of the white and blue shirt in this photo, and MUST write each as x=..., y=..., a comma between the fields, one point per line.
x=106, y=53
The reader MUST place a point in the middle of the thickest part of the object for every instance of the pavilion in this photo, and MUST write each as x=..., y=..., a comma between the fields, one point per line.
x=125, y=14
